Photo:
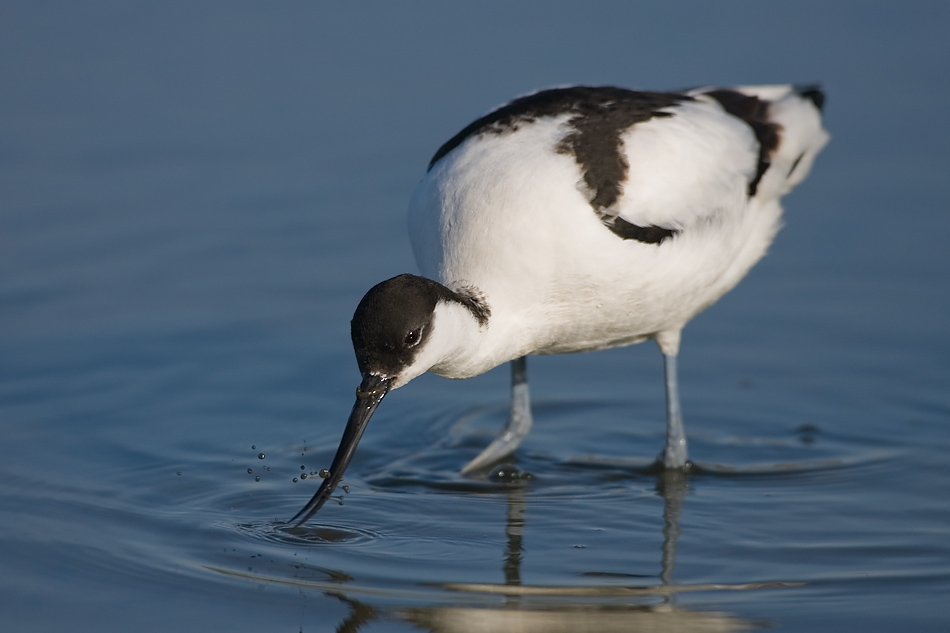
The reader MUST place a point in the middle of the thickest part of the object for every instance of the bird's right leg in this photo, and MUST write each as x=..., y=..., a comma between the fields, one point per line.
x=674, y=454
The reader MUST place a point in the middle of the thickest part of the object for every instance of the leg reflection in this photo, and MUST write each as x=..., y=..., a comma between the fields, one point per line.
x=514, y=530
x=672, y=486
x=360, y=614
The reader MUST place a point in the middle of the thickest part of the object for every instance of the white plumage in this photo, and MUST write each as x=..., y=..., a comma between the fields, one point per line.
x=508, y=215
x=579, y=219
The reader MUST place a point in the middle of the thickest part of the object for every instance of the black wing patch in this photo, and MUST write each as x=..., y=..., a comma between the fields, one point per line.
x=813, y=93
x=646, y=234
x=598, y=118
x=754, y=112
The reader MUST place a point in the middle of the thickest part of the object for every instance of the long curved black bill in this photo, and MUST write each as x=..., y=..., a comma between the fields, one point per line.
x=368, y=397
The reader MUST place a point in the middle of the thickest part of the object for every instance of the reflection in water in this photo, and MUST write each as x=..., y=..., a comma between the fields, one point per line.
x=549, y=613
x=576, y=619
x=514, y=529
x=514, y=606
x=671, y=485
x=360, y=614
x=526, y=609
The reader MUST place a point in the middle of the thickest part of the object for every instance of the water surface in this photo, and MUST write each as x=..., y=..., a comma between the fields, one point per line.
x=192, y=202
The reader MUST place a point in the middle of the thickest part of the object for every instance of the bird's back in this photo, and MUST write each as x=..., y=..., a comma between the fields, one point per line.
x=594, y=217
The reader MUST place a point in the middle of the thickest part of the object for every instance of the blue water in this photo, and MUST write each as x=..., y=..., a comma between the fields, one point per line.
x=193, y=198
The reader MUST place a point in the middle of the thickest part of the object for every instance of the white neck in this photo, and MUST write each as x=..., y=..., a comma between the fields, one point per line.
x=457, y=347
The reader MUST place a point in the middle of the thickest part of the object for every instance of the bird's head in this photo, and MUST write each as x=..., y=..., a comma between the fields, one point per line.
x=390, y=329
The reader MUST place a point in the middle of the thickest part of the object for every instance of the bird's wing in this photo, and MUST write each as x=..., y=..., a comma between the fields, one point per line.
x=683, y=167
x=718, y=149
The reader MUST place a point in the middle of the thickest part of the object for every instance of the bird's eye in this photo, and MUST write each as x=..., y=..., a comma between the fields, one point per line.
x=412, y=338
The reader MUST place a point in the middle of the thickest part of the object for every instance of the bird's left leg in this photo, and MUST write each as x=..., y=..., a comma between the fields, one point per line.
x=519, y=421
x=675, y=453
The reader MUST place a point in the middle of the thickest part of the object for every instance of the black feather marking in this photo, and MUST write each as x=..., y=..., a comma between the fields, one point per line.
x=576, y=100
x=601, y=115
x=598, y=118
x=473, y=299
x=813, y=93
x=646, y=234
x=754, y=112
x=795, y=164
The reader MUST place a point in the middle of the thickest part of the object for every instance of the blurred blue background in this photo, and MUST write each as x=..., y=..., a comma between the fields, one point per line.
x=194, y=197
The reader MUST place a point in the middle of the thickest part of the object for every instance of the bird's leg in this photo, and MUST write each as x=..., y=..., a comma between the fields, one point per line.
x=675, y=454
x=519, y=421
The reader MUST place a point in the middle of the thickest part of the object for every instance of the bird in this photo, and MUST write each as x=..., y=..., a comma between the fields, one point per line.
x=575, y=219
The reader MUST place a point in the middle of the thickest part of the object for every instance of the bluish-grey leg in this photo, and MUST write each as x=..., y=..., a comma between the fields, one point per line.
x=675, y=454
x=519, y=420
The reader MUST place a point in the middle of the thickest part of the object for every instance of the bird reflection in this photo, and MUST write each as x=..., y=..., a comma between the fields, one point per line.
x=527, y=609
x=360, y=614
x=572, y=618
x=547, y=609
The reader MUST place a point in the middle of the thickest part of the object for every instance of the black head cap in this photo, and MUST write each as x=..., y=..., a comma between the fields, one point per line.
x=392, y=323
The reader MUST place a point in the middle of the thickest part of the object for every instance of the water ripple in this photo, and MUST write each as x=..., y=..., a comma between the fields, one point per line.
x=283, y=534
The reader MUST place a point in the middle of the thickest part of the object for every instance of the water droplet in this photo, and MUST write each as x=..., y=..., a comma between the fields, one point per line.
x=260, y=456
x=346, y=489
x=179, y=473
x=509, y=474
x=295, y=480
x=258, y=478
x=253, y=448
x=324, y=473
x=302, y=467
x=250, y=470
x=303, y=475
